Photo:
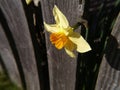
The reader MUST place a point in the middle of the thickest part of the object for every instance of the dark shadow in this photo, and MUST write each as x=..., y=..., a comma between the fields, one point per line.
x=100, y=15
x=112, y=53
x=11, y=41
x=38, y=41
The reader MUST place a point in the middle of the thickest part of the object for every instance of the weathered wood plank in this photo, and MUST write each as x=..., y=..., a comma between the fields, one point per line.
x=8, y=59
x=62, y=68
x=109, y=75
x=15, y=17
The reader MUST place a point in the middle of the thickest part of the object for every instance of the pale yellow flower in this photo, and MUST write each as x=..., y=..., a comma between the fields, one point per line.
x=63, y=36
x=28, y=1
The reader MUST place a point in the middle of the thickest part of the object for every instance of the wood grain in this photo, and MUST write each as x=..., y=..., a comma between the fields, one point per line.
x=8, y=59
x=62, y=68
x=109, y=74
x=16, y=20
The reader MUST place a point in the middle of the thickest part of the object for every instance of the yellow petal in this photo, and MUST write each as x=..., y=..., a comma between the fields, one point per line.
x=82, y=45
x=59, y=45
x=60, y=18
x=51, y=28
x=69, y=48
x=70, y=45
x=70, y=53
x=28, y=1
x=59, y=39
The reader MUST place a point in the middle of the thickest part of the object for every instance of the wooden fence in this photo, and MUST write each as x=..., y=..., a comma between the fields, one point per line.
x=17, y=49
x=28, y=63
x=110, y=67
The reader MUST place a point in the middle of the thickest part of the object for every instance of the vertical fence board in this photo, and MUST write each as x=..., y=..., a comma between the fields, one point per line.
x=8, y=59
x=109, y=74
x=62, y=68
x=15, y=17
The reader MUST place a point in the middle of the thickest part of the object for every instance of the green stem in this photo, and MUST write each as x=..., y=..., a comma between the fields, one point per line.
x=76, y=25
x=86, y=34
x=85, y=25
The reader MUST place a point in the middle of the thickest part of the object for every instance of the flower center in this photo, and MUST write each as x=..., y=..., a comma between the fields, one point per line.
x=59, y=39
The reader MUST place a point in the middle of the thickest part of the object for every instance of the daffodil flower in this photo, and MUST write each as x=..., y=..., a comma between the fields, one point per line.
x=63, y=35
x=28, y=1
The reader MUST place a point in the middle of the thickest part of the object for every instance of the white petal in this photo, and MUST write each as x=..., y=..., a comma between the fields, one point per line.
x=60, y=18
x=82, y=45
x=28, y=1
x=51, y=28
x=70, y=53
